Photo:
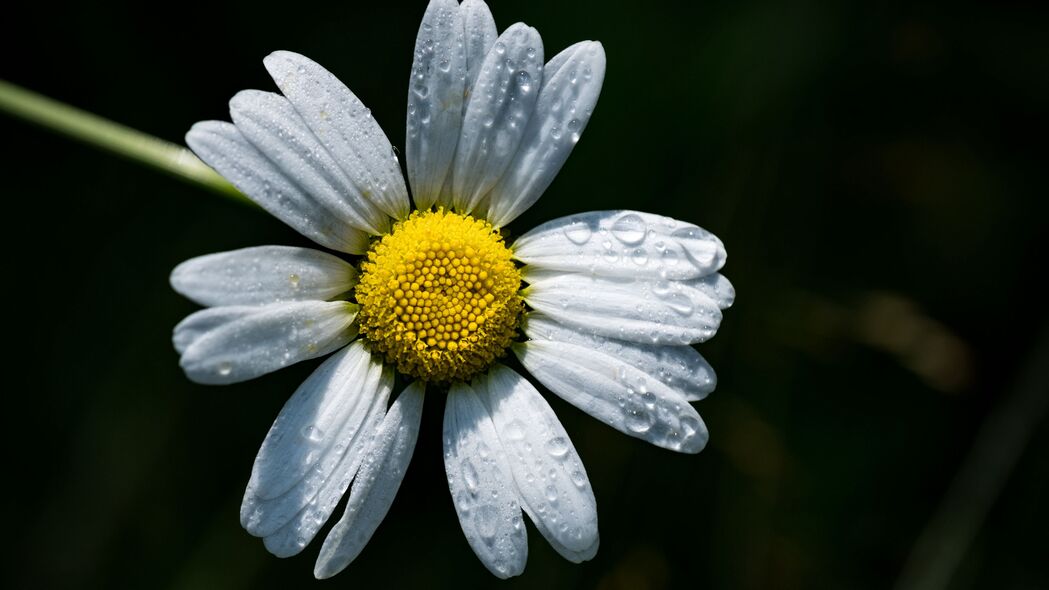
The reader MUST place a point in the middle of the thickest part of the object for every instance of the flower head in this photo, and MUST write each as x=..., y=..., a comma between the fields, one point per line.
x=613, y=302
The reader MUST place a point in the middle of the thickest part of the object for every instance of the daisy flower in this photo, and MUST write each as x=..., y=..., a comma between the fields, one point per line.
x=600, y=307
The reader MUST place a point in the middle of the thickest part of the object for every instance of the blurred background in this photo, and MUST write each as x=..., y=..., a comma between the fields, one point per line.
x=875, y=170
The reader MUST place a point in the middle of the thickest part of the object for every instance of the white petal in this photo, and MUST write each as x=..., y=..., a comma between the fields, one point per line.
x=272, y=337
x=497, y=115
x=571, y=84
x=480, y=35
x=622, y=244
x=273, y=126
x=224, y=148
x=376, y=485
x=314, y=448
x=679, y=367
x=345, y=127
x=717, y=287
x=435, y=100
x=662, y=312
x=200, y=323
x=482, y=484
x=554, y=489
x=261, y=275
x=616, y=393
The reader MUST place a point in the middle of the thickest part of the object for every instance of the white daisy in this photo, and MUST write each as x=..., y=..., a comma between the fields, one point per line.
x=613, y=301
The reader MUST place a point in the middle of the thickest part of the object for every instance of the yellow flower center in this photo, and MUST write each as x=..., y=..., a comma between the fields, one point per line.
x=438, y=296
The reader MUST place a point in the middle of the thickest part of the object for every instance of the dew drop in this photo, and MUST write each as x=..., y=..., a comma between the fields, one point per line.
x=639, y=257
x=514, y=430
x=557, y=446
x=524, y=82
x=629, y=229
x=578, y=478
x=680, y=303
x=638, y=419
x=225, y=368
x=485, y=518
x=578, y=232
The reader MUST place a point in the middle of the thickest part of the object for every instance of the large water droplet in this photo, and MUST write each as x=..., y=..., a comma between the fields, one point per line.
x=524, y=82
x=557, y=446
x=485, y=519
x=514, y=430
x=680, y=303
x=629, y=229
x=578, y=232
x=638, y=418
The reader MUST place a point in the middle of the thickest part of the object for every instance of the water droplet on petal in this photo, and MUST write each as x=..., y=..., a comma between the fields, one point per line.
x=578, y=232
x=629, y=229
x=557, y=446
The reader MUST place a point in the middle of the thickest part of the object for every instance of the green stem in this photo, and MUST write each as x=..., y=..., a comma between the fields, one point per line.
x=114, y=137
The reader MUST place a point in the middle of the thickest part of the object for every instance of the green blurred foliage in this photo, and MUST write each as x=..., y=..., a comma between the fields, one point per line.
x=874, y=170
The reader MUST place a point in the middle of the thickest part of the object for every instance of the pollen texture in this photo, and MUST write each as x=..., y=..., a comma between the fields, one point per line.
x=438, y=296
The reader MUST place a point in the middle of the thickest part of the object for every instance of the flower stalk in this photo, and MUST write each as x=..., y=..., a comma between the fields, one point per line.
x=113, y=137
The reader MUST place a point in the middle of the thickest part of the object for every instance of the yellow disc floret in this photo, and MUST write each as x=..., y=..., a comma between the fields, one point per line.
x=438, y=296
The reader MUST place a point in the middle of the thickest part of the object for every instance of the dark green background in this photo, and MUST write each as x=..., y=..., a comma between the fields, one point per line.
x=876, y=171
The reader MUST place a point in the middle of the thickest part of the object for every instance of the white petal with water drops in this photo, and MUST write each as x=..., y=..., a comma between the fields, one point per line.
x=622, y=244
x=653, y=312
x=435, y=100
x=314, y=447
x=200, y=323
x=345, y=127
x=551, y=481
x=272, y=337
x=385, y=463
x=261, y=275
x=571, y=84
x=482, y=485
x=480, y=35
x=497, y=114
x=313, y=499
x=616, y=393
x=220, y=145
x=717, y=287
x=679, y=367
x=273, y=126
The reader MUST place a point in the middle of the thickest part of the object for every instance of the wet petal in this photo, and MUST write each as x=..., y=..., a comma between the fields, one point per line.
x=273, y=126
x=653, y=312
x=679, y=367
x=220, y=145
x=261, y=275
x=435, y=100
x=345, y=127
x=497, y=115
x=571, y=84
x=314, y=448
x=616, y=393
x=622, y=244
x=386, y=461
x=245, y=346
x=551, y=482
x=482, y=485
